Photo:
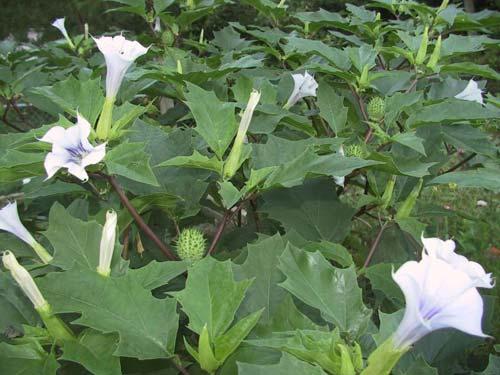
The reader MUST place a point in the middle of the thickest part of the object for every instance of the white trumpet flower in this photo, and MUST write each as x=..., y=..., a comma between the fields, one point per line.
x=445, y=250
x=472, y=93
x=304, y=85
x=59, y=24
x=24, y=280
x=71, y=149
x=10, y=222
x=107, y=244
x=119, y=54
x=437, y=296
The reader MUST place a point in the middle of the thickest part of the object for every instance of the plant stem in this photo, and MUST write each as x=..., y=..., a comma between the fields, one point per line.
x=138, y=219
x=458, y=165
x=375, y=245
x=222, y=224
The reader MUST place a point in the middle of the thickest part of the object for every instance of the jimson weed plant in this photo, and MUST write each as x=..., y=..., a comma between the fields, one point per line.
x=249, y=197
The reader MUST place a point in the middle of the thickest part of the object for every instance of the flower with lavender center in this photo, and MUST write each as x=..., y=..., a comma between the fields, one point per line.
x=72, y=150
x=304, y=85
x=437, y=296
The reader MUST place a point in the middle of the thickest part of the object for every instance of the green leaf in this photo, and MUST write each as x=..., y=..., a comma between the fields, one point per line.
x=331, y=107
x=26, y=359
x=261, y=264
x=485, y=178
x=211, y=296
x=410, y=140
x=333, y=291
x=468, y=138
x=73, y=95
x=94, y=351
x=215, y=120
x=229, y=193
x=156, y=274
x=451, y=110
x=471, y=69
x=75, y=242
x=129, y=160
x=147, y=326
x=312, y=209
x=196, y=160
x=17, y=309
x=288, y=365
x=228, y=342
x=380, y=276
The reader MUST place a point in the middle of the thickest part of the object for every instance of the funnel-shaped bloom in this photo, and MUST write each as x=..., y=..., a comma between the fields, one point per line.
x=71, y=149
x=304, y=85
x=59, y=24
x=119, y=54
x=233, y=161
x=472, y=93
x=24, y=280
x=437, y=296
x=445, y=250
x=10, y=222
x=107, y=243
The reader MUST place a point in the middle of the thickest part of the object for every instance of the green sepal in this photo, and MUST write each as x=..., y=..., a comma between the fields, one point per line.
x=422, y=50
x=405, y=209
x=56, y=327
x=207, y=359
x=103, y=129
x=383, y=359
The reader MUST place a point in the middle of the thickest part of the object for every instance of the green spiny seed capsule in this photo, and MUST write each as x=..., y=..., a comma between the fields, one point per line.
x=191, y=245
x=376, y=108
x=354, y=150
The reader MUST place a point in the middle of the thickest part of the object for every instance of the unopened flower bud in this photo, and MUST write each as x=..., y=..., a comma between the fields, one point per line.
x=24, y=280
x=107, y=246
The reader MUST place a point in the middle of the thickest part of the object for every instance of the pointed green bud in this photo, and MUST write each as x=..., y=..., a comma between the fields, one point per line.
x=384, y=358
x=206, y=356
x=346, y=365
x=376, y=108
x=357, y=357
x=191, y=245
x=233, y=161
x=405, y=209
x=363, y=79
x=436, y=54
x=422, y=50
x=389, y=189
x=179, y=67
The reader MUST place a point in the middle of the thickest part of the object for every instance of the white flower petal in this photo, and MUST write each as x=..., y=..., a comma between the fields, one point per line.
x=107, y=244
x=472, y=93
x=83, y=125
x=95, y=156
x=53, y=162
x=55, y=134
x=78, y=171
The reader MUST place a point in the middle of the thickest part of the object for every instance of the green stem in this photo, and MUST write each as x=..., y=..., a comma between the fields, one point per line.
x=105, y=119
x=56, y=327
x=41, y=252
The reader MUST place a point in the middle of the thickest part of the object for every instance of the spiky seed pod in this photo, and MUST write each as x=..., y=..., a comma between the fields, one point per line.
x=376, y=108
x=191, y=245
